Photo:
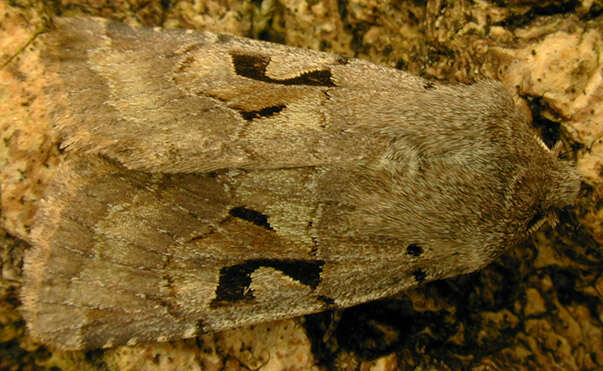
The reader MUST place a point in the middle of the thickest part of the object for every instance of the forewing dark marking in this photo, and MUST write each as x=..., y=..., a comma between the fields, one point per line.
x=419, y=275
x=414, y=250
x=234, y=282
x=264, y=112
x=254, y=67
x=250, y=215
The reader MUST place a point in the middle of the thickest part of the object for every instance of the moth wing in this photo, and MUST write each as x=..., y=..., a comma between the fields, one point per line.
x=180, y=101
x=152, y=258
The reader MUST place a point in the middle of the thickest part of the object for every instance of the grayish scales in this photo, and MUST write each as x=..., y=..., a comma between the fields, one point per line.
x=215, y=181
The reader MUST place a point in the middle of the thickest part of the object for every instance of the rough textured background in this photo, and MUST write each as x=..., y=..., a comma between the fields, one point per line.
x=537, y=307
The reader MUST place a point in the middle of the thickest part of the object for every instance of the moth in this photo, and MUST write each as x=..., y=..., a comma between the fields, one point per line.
x=215, y=181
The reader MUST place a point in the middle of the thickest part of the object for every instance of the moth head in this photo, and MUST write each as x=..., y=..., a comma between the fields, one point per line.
x=542, y=191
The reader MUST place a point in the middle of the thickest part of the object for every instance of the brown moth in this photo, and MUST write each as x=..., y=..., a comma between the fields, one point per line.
x=216, y=181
